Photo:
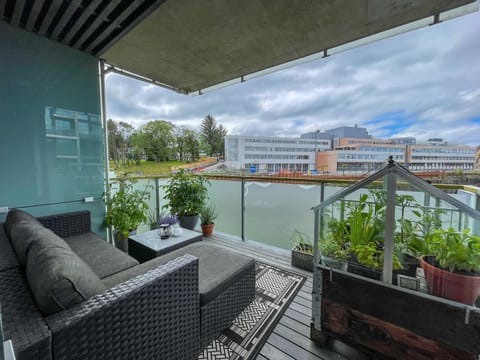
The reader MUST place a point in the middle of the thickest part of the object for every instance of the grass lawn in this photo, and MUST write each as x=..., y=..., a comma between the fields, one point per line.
x=147, y=168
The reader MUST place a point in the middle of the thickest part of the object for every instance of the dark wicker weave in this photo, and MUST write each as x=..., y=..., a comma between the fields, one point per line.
x=22, y=322
x=8, y=258
x=152, y=316
x=68, y=224
x=219, y=313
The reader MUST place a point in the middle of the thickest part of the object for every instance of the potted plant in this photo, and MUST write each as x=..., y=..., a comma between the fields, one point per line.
x=126, y=210
x=452, y=266
x=186, y=194
x=207, y=215
x=302, y=251
x=365, y=228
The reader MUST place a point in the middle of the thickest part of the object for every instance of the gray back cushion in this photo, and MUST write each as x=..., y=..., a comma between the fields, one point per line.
x=16, y=215
x=24, y=233
x=57, y=277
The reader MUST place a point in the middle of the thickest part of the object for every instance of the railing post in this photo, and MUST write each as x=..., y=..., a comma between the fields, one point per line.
x=243, y=209
x=157, y=199
x=317, y=275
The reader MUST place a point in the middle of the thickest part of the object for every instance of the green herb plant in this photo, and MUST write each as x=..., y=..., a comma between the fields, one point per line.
x=454, y=251
x=301, y=241
x=208, y=214
x=186, y=193
x=126, y=207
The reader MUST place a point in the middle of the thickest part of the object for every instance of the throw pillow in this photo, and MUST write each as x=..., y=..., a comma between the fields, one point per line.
x=57, y=277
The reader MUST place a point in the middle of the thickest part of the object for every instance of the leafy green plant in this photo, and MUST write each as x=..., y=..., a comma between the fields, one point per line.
x=366, y=228
x=454, y=251
x=186, y=193
x=208, y=214
x=334, y=244
x=301, y=241
x=126, y=207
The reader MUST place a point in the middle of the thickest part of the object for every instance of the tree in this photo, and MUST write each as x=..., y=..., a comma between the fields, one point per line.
x=119, y=134
x=157, y=139
x=188, y=146
x=213, y=135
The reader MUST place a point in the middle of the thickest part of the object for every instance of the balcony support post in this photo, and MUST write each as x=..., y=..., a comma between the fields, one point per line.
x=243, y=209
x=389, y=227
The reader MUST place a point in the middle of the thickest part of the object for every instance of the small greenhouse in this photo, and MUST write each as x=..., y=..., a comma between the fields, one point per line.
x=397, y=268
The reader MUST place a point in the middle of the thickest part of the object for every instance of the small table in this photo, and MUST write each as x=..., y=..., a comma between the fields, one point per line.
x=148, y=245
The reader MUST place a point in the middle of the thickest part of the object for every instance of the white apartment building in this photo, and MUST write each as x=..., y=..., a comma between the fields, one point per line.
x=437, y=155
x=272, y=154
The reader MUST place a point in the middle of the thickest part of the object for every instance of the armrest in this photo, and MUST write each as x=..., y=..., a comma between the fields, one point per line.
x=154, y=315
x=68, y=224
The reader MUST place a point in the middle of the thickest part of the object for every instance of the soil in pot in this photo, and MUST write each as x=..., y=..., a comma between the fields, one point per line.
x=453, y=286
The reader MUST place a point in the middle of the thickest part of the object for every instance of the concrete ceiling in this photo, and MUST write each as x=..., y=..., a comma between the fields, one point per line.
x=190, y=45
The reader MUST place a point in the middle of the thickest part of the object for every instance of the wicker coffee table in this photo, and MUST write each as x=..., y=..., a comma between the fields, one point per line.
x=148, y=245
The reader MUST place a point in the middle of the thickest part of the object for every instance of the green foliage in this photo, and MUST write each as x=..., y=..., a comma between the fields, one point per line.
x=301, y=241
x=335, y=243
x=365, y=229
x=213, y=136
x=186, y=193
x=119, y=134
x=453, y=250
x=208, y=214
x=156, y=139
x=126, y=207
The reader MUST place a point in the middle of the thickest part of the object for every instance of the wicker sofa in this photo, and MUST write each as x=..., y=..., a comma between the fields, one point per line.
x=169, y=307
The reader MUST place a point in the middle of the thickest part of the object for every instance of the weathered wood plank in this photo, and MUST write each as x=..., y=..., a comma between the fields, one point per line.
x=443, y=323
x=291, y=348
x=296, y=315
x=301, y=309
x=272, y=353
x=303, y=301
x=384, y=337
x=295, y=325
x=305, y=343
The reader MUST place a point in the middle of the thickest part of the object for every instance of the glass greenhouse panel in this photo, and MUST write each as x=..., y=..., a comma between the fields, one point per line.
x=396, y=228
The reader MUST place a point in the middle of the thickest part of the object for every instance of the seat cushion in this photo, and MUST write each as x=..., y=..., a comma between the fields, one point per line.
x=57, y=277
x=103, y=258
x=218, y=268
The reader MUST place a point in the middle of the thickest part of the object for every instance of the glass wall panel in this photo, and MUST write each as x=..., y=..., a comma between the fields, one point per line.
x=51, y=142
x=274, y=211
x=226, y=196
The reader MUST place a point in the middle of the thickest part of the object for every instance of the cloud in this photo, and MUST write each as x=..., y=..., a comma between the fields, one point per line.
x=423, y=83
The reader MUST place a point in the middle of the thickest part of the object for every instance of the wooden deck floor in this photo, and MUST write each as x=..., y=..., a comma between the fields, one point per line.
x=291, y=337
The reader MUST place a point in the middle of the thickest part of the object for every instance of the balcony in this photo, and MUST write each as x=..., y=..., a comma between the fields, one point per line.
x=258, y=215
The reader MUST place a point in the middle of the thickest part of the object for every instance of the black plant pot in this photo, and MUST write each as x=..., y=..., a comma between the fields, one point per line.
x=409, y=269
x=188, y=222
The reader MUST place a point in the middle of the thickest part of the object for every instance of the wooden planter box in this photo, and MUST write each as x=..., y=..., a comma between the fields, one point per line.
x=302, y=260
x=394, y=322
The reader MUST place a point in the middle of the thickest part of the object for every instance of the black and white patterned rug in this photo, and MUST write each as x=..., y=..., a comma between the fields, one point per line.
x=275, y=289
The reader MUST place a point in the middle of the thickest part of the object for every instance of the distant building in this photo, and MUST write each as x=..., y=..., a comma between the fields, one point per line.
x=345, y=149
x=361, y=158
x=334, y=135
x=272, y=154
x=438, y=155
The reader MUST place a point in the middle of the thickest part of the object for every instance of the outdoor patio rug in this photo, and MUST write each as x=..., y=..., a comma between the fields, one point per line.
x=275, y=289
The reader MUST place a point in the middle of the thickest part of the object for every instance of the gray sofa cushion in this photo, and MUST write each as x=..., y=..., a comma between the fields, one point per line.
x=218, y=268
x=25, y=232
x=16, y=215
x=8, y=258
x=103, y=258
x=57, y=277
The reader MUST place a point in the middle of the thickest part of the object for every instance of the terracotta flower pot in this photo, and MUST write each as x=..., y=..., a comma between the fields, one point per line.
x=452, y=286
x=207, y=229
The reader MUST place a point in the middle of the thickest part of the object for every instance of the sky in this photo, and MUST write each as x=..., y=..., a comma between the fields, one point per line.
x=424, y=83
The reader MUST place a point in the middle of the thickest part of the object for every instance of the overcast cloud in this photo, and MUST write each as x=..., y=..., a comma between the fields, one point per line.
x=424, y=83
